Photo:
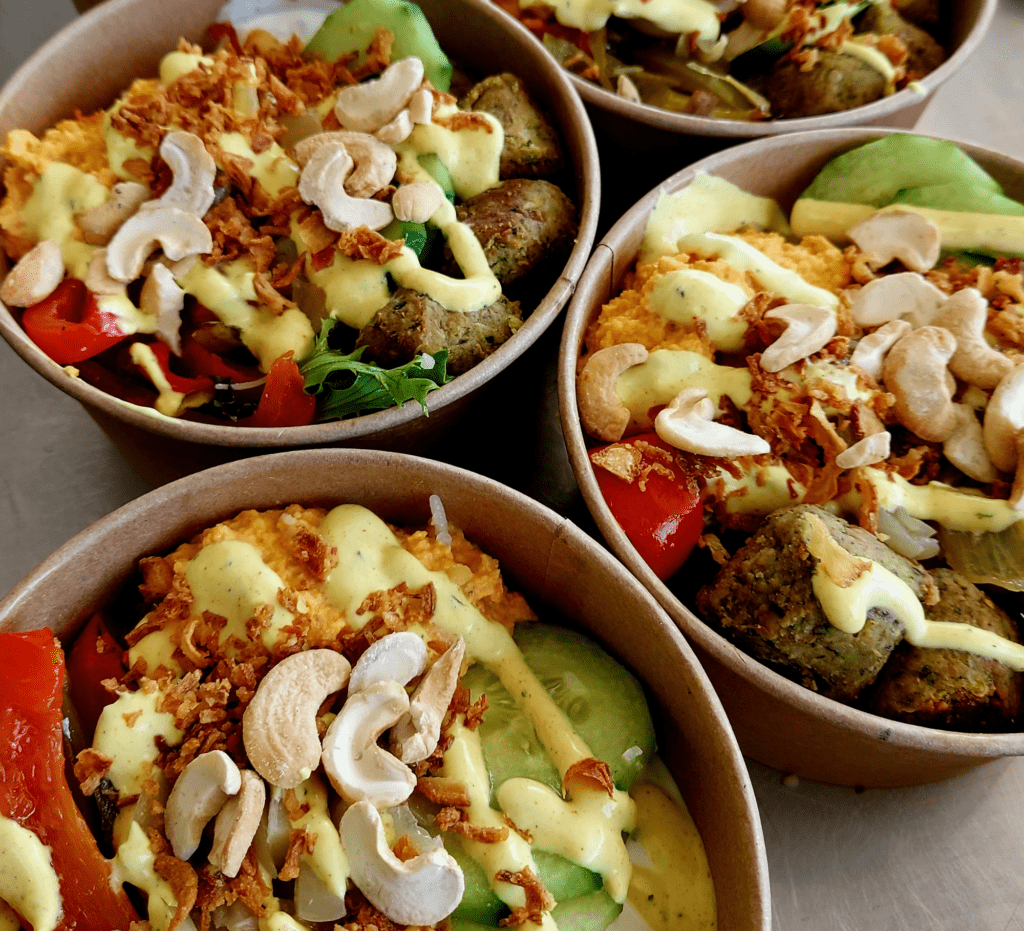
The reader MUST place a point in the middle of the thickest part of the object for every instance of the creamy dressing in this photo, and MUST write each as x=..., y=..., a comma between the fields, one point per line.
x=674, y=892
x=61, y=193
x=328, y=859
x=135, y=864
x=28, y=881
x=272, y=167
x=872, y=57
x=464, y=761
x=227, y=290
x=666, y=372
x=687, y=294
x=951, y=507
x=675, y=16
x=848, y=587
x=996, y=233
x=707, y=204
x=744, y=257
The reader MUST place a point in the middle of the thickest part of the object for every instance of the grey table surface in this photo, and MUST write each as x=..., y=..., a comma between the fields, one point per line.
x=943, y=857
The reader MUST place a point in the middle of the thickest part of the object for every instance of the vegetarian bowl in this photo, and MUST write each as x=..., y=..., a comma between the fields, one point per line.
x=740, y=71
x=563, y=574
x=182, y=388
x=807, y=693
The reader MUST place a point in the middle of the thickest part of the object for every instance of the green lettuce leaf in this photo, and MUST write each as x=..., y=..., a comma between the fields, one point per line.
x=348, y=387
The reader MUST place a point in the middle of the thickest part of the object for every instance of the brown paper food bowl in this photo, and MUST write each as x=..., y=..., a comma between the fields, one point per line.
x=90, y=61
x=777, y=722
x=541, y=554
x=652, y=127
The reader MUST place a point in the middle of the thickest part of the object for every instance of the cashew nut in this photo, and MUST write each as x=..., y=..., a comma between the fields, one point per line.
x=965, y=447
x=420, y=891
x=915, y=373
x=99, y=224
x=35, y=276
x=368, y=106
x=421, y=106
x=198, y=794
x=688, y=424
x=375, y=162
x=178, y=232
x=279, y=724
x=162, y=299
x=417, y=201
x=1004, y=421
x=906, y=295
x=323, y=183
x=602, y=412
x=898, y=234
x=808, y=329
x=358, y=768
x=398, y=657
x=416, y=734
x=237, y=823
x=396, y=130
x=870, y=352
x=965, y=314
x=97, y=278
x=194, y=171
x=873, y=448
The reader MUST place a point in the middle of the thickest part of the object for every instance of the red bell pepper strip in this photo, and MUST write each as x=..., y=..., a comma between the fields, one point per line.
x=200, y=361
x=179, y=383
x=94, y=656
x=284, y=402
x=33, y=789
x=661, y=515
x=69, y=325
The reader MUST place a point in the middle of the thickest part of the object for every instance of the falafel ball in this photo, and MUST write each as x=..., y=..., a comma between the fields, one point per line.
x=412, y=323
x=952, y=689
x=835, y=82
x=763, y=601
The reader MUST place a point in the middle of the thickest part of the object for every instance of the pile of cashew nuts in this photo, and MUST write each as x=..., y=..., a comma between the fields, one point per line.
x=279, y=732
x=920, y=344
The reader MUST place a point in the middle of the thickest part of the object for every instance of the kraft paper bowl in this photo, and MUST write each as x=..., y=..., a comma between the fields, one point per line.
x=94, y=58
x=777, y=722
x=559, y=568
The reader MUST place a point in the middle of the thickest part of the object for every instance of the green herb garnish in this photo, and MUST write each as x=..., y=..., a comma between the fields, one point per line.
x=347, y=387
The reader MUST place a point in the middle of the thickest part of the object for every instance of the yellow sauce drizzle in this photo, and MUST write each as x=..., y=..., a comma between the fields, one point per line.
x=847, y=588
x=675, y=16
x=28, y=881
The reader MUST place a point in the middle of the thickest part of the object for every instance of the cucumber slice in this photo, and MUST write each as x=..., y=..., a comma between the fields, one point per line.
x=479, y=903
x=417, y=236
x=438, y=170
x=351, y=29
x=604, y=703
x=592, y=912
x=563, y=878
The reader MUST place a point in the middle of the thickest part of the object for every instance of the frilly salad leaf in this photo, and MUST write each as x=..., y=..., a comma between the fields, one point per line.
x=908, y=169
x=352, y=28
x=347, y=387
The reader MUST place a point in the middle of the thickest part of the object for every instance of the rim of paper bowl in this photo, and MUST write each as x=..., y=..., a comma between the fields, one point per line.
x=878, y=111
x=191, y=19
x=871, y=756
x=547, y=555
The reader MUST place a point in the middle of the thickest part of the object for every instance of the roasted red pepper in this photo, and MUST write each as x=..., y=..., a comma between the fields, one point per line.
x=33, y=790
x=661, y=514
x=284, y=402
x=200, y=361
x=69, y=325
x=179, y=383
x=94, y=656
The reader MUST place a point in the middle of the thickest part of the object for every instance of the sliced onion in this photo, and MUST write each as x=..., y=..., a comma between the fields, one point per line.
x=907, y=535
x=987, y=558
x=314, y=901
